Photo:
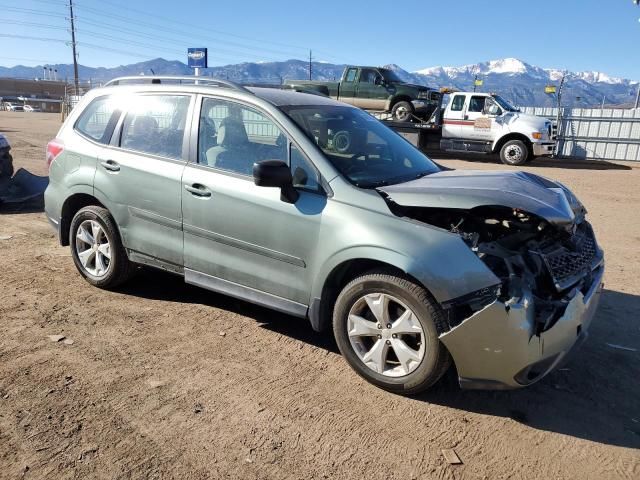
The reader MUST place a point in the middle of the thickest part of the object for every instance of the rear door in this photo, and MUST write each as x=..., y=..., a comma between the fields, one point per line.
x=138, y=176
x=348, y=86
x=239, y=238
x=454, y=116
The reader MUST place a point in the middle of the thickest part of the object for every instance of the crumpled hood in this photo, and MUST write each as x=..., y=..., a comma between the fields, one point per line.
x=467, y=189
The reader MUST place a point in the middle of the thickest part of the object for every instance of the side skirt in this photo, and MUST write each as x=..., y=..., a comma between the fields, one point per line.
x=242, y=292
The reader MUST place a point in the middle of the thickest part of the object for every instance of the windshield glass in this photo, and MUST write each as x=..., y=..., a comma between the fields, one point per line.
x=365, y=151
x=390, y=75
x=504, y=104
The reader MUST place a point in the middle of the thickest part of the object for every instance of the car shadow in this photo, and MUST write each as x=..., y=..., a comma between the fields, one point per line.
x=539, y=162
x=594, y=396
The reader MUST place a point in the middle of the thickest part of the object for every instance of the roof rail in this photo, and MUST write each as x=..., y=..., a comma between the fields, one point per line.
x=154, y=79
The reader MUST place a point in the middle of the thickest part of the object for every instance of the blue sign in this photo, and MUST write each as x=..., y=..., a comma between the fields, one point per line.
x=197, y=57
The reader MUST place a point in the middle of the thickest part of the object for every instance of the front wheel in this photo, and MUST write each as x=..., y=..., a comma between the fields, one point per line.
x=387, y=327
x=514, y=152
x=96, y=248
x=402, y=111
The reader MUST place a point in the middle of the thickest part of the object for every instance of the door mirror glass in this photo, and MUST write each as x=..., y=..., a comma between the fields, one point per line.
x=275, y=173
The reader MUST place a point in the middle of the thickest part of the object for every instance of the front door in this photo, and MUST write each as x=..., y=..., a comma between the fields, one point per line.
x=138, y=177
x=372, y=93
x=239, y=238
x=477, y=124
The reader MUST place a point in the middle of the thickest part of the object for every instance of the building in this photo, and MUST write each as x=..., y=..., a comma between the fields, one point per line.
x=47, y=95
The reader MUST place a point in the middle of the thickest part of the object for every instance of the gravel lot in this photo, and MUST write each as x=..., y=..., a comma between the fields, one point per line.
x=165, y=380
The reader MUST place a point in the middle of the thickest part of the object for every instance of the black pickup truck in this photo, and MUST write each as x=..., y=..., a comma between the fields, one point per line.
x=376, y=89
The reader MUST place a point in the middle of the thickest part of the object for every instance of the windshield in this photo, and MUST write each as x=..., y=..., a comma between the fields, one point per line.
x=365, y=151
x=504, y=104
x=390, y=75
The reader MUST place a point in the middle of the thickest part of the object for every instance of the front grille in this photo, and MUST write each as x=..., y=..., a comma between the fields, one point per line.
x=573, y=259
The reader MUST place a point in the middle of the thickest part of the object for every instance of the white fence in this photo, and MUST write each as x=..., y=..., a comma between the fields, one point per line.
x=596, y=133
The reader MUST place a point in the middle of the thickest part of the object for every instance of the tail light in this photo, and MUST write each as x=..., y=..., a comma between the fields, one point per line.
x=54, y=148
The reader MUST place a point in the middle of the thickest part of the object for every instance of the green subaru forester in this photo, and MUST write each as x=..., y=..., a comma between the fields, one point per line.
x=315, y=209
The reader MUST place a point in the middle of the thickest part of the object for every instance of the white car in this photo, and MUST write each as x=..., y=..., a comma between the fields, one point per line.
x=29, y=108
x=13, y=107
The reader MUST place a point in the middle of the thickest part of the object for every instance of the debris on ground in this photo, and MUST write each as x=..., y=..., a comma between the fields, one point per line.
x=451, y=456
x=222, y=334
x=155, y=383
x=68, y=341
x=56, y=338
x=6, y=237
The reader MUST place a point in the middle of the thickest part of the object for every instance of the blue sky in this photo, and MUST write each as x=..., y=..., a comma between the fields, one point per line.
x=573, y=34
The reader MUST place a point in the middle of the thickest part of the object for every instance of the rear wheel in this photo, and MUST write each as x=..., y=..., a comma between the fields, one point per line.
x=386, y=327
x=514, y=152
x=402, y=111
x=96, y=248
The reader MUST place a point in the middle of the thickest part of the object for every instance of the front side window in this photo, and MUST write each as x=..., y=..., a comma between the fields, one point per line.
x=368, y=76
x=233, y=137
x=476, y=104
x=155, y=124
x=458, y=103
x=364, y=150
x=98, y=120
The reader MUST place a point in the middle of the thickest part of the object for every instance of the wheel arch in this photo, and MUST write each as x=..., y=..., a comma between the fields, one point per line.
x=512, y=136
x=335, y=277
x=396, y=99
x=70, y=207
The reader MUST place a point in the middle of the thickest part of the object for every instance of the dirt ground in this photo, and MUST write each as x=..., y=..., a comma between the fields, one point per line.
x=165, y=380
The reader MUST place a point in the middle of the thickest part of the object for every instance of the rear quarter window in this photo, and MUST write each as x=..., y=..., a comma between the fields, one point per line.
x=98, y=120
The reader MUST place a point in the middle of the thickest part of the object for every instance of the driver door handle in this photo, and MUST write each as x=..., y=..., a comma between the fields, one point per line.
x=198, y=190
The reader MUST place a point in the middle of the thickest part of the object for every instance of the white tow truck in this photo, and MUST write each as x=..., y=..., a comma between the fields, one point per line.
x=481, y=123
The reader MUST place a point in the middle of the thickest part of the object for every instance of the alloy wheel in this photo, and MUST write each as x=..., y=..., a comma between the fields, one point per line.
x=93, y=248
x=386, y=335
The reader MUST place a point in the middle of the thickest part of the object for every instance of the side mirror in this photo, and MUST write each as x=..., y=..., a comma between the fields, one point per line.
x=275, y=173
x=492, y=109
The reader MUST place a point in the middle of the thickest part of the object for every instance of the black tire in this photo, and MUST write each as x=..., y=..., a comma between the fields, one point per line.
x=120, y=269
x=514, y=152
x=402, y=111
x=6, y=166
x=436, y=358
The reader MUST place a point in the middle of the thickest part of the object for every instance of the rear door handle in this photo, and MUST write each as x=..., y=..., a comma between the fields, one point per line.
x=110, y=165
x=198, y=190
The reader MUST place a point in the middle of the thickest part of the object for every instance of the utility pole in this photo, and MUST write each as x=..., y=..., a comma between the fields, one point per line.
x=73, y=47
x=559, y=117
x=310, y=65
x=638, y=96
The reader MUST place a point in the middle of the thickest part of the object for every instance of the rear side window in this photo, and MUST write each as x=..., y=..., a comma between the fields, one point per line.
x=351, y=75
x=99, y=119
x=458, y=103
x=155, y=124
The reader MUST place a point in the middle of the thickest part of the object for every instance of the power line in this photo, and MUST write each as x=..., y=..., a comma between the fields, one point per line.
x=191, y=26
x=183, y=33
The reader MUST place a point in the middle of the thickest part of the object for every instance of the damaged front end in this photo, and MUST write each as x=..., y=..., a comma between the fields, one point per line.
x=550, y=272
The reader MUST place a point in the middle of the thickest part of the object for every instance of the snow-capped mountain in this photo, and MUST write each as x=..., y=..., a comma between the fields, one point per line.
x=516, y=80
x=524, y=84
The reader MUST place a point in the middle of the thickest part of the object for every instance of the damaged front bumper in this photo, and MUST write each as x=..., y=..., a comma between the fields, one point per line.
x=497, y=347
